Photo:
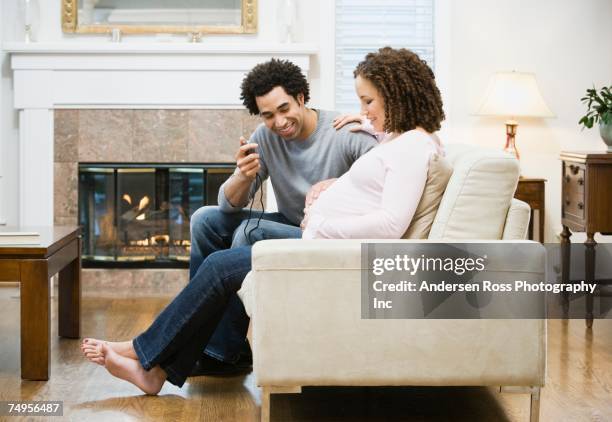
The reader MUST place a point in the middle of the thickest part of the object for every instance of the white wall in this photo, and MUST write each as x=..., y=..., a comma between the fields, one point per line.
x=2, y=153
x=565, y=42
x=9, y=147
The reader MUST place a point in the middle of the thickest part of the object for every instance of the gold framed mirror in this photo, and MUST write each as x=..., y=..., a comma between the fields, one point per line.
x=159, y=16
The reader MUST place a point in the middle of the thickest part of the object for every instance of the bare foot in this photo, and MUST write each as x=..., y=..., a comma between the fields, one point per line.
x=90, y=347
x=130, y=370
x=92, y=354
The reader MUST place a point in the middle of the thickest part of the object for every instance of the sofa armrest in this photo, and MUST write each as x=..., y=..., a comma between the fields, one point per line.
x=517, y=220
x=307, y=254
x=296, y=254
x=299, y=255
x=318, y=255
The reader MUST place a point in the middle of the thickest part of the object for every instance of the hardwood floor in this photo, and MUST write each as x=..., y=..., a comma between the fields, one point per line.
x=578, y=385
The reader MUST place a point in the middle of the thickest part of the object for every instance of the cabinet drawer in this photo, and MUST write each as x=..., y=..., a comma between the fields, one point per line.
x=573, y=204
x=573, y=177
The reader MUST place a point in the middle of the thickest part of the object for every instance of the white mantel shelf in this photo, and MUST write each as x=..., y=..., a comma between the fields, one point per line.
x=139, y=75
x=245, y=48
x=128, y=75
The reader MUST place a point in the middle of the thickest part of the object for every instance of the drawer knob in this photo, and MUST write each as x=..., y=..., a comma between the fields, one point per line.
x=567, y=202
x=581, y=181
x=580, y=205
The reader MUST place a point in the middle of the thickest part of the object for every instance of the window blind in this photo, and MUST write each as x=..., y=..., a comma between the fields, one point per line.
x=363, y=26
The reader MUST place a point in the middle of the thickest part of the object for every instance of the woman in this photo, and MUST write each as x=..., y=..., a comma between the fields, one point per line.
x=375, y=199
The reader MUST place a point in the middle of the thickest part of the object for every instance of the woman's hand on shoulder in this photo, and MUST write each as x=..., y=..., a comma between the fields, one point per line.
x=344, y=119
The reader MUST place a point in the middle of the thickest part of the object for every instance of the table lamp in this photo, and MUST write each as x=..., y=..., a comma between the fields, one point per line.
x=513, y=94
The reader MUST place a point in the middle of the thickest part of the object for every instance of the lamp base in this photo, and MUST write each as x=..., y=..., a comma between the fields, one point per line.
x=510, y=147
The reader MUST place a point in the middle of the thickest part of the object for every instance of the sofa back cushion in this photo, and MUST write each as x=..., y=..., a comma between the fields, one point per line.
x=478, y=195
x=438, y=175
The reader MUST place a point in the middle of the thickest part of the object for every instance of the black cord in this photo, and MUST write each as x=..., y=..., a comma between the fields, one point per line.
x=258, y=182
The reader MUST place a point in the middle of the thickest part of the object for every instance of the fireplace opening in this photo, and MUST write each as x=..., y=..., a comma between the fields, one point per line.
x=137, y=215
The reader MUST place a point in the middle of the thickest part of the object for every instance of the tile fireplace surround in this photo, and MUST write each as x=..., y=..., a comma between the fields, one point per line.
x=138, y=136
x=126, y=103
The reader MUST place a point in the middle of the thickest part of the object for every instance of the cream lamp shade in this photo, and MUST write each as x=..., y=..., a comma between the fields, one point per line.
x=513, y=94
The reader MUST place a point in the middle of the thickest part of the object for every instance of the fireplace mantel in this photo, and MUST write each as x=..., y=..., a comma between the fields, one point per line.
x=48, y=76
x=130, y=75
x=244, y=48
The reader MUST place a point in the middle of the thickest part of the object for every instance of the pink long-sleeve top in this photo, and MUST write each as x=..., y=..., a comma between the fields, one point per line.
x=378, y=196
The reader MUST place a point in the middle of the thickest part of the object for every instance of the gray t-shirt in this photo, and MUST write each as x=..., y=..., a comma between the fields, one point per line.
x=295, y=165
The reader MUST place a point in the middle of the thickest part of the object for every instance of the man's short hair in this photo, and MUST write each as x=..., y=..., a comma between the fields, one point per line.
x=264, y=77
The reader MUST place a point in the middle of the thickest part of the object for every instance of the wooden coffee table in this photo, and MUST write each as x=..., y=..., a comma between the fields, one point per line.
x=32, y=266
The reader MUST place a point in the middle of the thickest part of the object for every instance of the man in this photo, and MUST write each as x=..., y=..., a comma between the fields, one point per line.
x=296, y=147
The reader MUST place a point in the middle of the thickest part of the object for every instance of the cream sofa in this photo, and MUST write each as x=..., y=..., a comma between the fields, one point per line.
x=304, y=300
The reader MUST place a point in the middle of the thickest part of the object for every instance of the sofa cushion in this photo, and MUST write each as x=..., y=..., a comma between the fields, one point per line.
x=478, y=195
x=440, y=171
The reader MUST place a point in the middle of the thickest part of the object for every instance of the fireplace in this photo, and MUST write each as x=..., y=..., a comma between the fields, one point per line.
x=146, y=102
x=137, y=215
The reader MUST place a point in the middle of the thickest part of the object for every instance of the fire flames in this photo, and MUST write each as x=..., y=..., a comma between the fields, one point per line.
x=159, y=240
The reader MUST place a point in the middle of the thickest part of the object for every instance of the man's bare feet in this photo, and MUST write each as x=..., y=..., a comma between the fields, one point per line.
x=90, y=347
x=130, y=370
x=92, y=353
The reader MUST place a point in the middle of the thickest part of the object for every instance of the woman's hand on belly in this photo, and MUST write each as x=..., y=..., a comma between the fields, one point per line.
x=305, y=219
x=315, y=191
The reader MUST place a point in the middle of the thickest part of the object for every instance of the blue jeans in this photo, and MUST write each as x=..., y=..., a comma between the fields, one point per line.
x=213, y=230
x=180, y=332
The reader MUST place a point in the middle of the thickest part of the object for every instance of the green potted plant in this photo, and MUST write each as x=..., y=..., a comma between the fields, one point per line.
x=599, y=110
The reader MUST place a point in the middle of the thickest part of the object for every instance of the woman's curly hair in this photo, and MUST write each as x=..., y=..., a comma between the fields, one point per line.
x=408, y=88
x=266, y=76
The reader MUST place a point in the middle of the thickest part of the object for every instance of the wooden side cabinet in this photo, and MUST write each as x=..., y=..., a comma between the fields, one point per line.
x=586, y=197
x=532, y=191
